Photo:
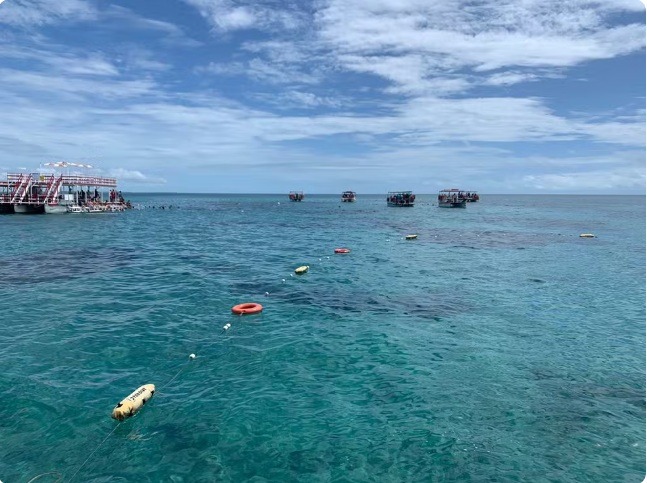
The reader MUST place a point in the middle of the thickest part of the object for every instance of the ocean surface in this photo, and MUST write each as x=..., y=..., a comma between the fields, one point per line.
x=498, y=346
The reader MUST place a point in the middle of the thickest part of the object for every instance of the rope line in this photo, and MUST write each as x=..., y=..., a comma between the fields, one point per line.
x=173, y=378
x=95, y=450
x=60, y=477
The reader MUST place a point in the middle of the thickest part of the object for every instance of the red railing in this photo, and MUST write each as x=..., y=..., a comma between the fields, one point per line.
x=51, y=192
x=45, y=188
x=90, y=181
x=20, y=188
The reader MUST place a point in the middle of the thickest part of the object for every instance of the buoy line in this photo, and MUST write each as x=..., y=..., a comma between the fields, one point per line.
x=60, y=477
x=95, y=450
x=129, y=406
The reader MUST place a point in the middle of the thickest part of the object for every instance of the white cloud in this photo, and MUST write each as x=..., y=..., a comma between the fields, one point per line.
x=622, y=180
x=42, y=12
x=298, y=99
x=437, y=38
x=135, y=176
x=75, y=86
x=128, y=102
x=91, y=65
x=509, y=78
x=262, y=70
x=226, y=15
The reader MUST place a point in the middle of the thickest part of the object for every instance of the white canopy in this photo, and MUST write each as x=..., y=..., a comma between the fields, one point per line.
x=67, y=164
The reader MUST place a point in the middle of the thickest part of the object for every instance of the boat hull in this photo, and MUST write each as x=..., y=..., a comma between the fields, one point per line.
x=55, y=209
x=400, y=205
x=6, y=208
x=25, y=209
x=457, y=204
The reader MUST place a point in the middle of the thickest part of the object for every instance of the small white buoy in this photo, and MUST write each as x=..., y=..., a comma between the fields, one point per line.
x=291, y=275
x=267, y=294
x=282, y=280
x=191, y=356
x=226, y=326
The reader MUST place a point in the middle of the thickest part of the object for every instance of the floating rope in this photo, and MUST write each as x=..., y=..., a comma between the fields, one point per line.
x=95, y=450
x=60, y=477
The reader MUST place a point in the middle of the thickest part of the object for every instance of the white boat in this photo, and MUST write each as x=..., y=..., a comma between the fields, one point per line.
x=74, y=209
x=60, y=204
x=348, y=196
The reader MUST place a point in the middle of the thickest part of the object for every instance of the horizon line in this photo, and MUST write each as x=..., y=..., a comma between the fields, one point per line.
x=376, y=194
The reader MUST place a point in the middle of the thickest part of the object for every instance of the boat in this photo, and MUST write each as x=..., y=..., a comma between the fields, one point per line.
x=348, y=196
x=400, y=198
x=451, y=198
x=74, y=209
x=296, y=195
x=52, y=193
x=59, y=205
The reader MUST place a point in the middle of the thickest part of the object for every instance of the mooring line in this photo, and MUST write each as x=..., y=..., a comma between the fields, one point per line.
x=60, y=477
x=95, y=450
x=184, y=366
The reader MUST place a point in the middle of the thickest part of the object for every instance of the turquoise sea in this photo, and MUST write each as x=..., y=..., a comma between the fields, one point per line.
x=498, y=346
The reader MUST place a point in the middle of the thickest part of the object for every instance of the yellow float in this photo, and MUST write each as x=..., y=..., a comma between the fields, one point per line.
x=302, y=269
x=133, y=402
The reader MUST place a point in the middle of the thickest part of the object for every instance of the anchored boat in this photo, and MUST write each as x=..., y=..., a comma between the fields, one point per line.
x=296, y=195
x=348, y=196
x=33, y=193
x=400, y=198
x=451, y=198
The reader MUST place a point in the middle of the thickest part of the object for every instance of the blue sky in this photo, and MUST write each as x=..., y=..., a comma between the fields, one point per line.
x=509, y=96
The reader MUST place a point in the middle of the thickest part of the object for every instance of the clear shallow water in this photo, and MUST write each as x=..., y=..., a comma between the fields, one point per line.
x=498, y=346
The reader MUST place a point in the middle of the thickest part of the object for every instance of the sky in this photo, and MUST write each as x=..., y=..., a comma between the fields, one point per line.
x=268, y=96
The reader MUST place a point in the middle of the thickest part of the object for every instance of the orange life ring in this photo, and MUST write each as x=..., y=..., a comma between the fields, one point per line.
x=247, y=309
x=342, y=250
